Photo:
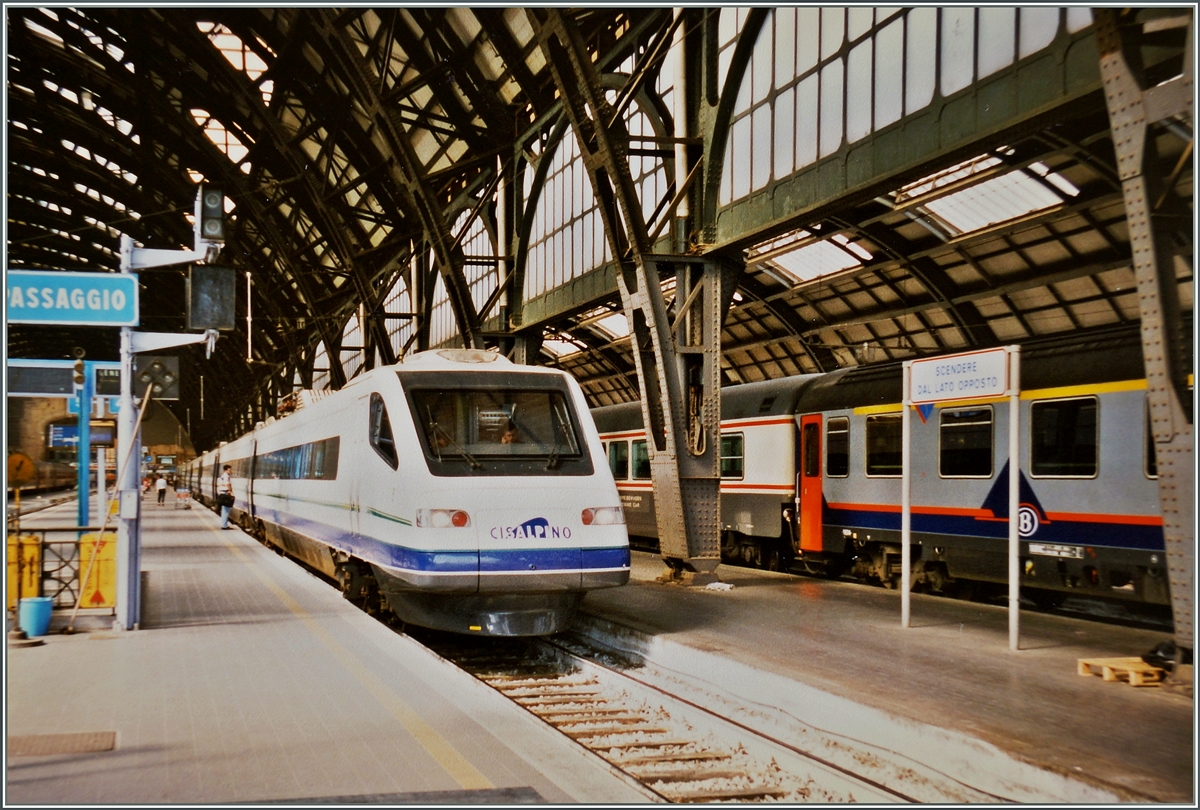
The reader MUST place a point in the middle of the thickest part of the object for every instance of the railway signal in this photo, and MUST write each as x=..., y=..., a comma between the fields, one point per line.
x=212, y=215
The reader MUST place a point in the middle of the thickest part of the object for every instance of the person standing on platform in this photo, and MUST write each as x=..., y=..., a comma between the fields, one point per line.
x=225, y=495
x=160, y=486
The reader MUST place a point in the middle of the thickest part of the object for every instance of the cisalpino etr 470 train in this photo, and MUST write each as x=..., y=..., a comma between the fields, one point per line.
x=456, y=489
x=811, y=476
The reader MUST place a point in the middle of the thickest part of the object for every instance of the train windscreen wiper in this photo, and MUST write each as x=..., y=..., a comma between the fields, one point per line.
x=562, y=426
x=462, y=452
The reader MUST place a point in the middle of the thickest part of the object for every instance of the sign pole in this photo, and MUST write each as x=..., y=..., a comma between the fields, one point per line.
x=905, y=498
x=1014, y=497
x=102, y=480
x=82, y=451
x=128, y=490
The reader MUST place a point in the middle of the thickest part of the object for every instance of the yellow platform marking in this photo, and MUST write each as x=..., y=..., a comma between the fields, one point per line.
x=442, y=751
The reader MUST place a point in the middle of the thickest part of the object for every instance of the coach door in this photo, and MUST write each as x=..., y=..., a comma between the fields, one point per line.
x=808, y=483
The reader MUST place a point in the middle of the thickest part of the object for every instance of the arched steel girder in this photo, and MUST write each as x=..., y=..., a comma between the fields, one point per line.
x=527, y=207
x=678, y=364
x=556, y=130
x=1137, y=102
x=157, y=191
x=492, y=19
x=408, y=173
x=466, y=75
x=820, y=356
x=974, y=327
x=233, y=93
x=716, y=118
x=335, y=222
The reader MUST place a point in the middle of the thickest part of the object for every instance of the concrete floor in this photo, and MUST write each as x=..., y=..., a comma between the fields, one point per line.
x=251, y=681
x=951, y=669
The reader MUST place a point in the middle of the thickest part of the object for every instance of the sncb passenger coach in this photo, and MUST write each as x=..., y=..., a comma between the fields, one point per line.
x=455, y=489
x=811, y=466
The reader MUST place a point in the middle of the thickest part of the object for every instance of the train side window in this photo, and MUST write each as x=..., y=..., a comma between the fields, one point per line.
x=641, y=460
x=733, y=455
x=381, y=432
x=837, y=447
x=1064, y=440
x=811, y=452
x=965, y=440
x=1151, y=454
x=884, y=451
x=618, y=460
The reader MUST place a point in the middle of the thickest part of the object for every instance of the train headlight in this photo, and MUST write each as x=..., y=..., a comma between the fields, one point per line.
x=442, y=518
x=603, y=516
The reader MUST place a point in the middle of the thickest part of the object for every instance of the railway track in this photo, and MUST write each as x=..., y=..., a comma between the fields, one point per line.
x=675, y=748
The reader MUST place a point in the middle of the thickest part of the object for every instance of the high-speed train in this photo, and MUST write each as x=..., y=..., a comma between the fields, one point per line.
x=455, y=489
x=811, y=476
x=39, y=476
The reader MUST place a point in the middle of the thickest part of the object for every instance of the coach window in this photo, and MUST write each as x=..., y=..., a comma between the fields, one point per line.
x=1064, y=438
x=618, y=460
x=837, y=447
x=381, y=432
x=884, y=451
x=733, y=455
x=965, y=439
x=641, y=460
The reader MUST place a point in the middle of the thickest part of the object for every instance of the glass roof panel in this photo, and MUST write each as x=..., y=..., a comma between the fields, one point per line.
x=821, y=258
x=967, y=205
x=560, y=347
x=1000, y=199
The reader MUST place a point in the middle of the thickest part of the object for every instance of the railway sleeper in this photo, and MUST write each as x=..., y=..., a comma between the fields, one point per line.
x=684, y=756
x=591, y=718
x=549, y=690
x=606, y=731
x=730, y=795
x=649, y=775
x=529, y=702
x=664, y=743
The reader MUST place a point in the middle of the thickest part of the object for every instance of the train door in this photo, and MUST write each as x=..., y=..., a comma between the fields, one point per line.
x=251, y=475
x=354, y=448
x=809, y=483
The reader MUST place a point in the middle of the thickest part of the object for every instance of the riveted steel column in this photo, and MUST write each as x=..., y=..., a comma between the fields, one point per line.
x=1133, y=108
x=677, y=365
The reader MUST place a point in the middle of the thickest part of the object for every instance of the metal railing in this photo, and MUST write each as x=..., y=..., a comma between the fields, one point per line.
x=60, y=562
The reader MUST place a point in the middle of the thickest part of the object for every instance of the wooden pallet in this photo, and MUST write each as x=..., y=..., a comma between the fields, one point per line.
x=1134, y=670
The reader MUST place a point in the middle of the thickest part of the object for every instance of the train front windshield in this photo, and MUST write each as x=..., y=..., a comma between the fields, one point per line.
x=513, y=430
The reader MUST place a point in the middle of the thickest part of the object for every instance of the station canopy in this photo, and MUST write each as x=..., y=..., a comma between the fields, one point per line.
x=348, y=142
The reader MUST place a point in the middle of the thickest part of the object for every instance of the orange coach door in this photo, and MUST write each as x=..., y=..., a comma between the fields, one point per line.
x=809, y=482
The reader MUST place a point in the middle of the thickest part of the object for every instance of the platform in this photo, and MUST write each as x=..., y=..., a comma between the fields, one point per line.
x=252, y=681
x=946, y=691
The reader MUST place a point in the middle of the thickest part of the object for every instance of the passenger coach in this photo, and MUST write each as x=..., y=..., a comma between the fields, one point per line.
x=811, y=474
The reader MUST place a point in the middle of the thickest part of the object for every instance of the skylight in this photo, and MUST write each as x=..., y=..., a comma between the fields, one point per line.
x=615, y=325
x=239, y=55
x=560, y=346
x=998, y=199
x=225, y=140
x=798, y=257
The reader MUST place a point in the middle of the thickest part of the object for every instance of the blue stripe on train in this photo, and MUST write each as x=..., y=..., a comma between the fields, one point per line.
x=1080, y=533
x=467, y=562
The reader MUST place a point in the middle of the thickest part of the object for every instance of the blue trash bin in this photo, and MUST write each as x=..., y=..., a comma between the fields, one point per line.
x=34, y=615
